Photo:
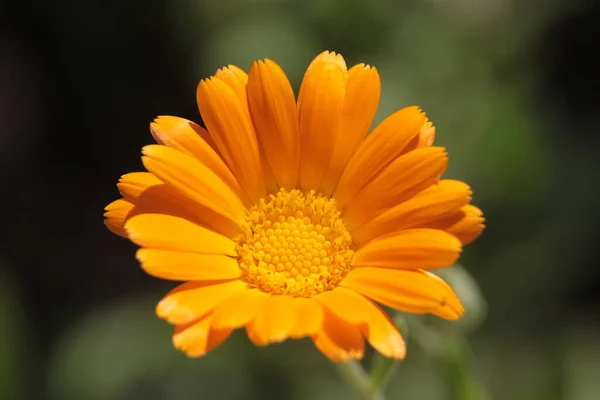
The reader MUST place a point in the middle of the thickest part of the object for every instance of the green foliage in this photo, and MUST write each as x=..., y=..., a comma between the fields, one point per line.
x=14, y=350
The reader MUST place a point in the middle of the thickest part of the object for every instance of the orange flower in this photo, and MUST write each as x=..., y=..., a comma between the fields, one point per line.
x=287, y=219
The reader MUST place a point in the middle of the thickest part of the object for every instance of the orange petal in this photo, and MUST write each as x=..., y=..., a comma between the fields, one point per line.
x=430, y=204
x=452, y=309
x=330, y=57
x=187, y=137
x=166, y=232
x=183, y=266
x=363, y=89
x=200, y=131
x=465, y=223
x=410, y=249
x=470, y=226
x=194, y=180
x=309, y=317
x=274, y=321
x=412, y=291
x=426, y=134
x=237, y=79
x=228, y=122
x=193, y=299
x=116, y=214
x=198, y=338
x=151, y=195
x=320, y=104
x=387, y=141
x=132, y=185
x=163, y=199
x=275, y=118
x=375, y=324
x=238, y=310
x=144, y=193
x=402, y=179
x=339, y=340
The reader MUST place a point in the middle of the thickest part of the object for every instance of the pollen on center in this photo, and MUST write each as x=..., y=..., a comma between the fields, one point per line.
x=294, y=243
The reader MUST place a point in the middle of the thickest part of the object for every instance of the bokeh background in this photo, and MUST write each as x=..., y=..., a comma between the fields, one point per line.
x=511, y=85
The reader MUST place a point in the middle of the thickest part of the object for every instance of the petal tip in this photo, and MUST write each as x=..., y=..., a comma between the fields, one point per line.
x=165, y=309
x=151, y=150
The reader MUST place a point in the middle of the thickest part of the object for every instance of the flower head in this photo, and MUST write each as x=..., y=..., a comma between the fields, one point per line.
x=285, y=218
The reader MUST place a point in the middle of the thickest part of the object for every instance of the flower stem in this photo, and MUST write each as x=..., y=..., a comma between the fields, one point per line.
x=461, y=381
x=452, y=351
x=353, y=374
x=382, y=370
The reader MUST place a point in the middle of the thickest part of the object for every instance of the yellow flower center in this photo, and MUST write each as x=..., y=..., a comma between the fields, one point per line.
x=294, y=243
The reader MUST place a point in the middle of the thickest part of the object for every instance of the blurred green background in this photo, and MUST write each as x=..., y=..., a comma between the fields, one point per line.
x=512, y=87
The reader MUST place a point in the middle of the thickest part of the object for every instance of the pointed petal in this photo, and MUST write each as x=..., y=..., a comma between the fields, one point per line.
x=426, y=134
x=429, y=205
x=192, y=300
x=194, y=180
x=274, y=321
x=183, y=266
x=452, y=309
x=330, y=57
x=339, y=340
x=375, y=324
x=309, y=317
x=198, y=338
x=145, y=193
x=228, y=122
x=116, y=214
x=470, y=226
x=385, y=144
x=320, y=104
x=275, y=117
x=363, y=89
x=410, y=249
x=187, y=137
x=237, y=79
x=412, y=291
x=151, y=195
x=402, y=179
x=239, y=310
x=466, y=223
x=166, y=232
x=200, y=131
x=132, y=185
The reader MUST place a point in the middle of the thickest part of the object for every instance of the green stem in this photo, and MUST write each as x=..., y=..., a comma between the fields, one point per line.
x=452, y=351
x=353, y=374
x=463, y=385
x=382, y=370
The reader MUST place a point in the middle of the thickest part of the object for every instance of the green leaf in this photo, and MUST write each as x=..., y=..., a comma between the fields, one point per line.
x=13, y=336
